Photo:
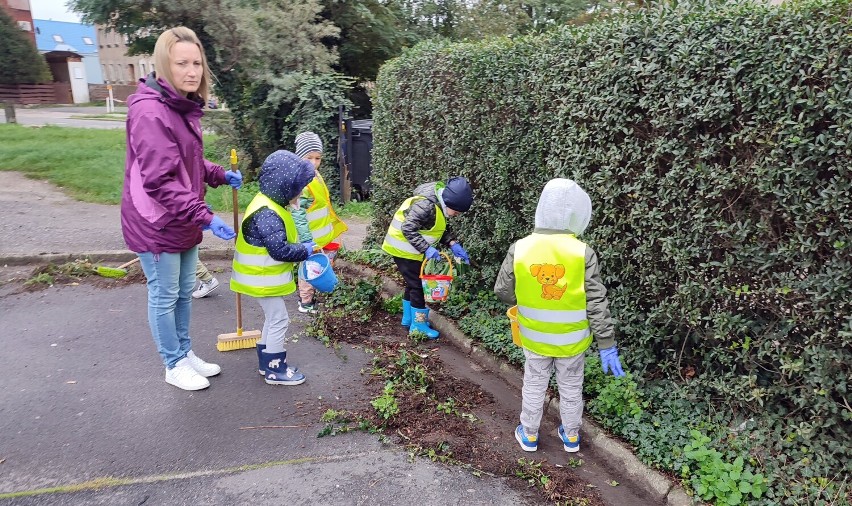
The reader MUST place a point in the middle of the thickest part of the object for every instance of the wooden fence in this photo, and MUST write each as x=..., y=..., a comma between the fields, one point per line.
x=26, y=94
x=99, y=92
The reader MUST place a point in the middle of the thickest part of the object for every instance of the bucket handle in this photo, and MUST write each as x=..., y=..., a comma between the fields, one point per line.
x=423, y=264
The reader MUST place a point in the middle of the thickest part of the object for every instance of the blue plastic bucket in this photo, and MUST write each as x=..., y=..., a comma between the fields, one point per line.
x=327, y=279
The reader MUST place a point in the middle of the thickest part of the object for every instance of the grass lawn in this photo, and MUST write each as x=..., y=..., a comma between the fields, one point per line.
x=117, y=116
x=89, y=164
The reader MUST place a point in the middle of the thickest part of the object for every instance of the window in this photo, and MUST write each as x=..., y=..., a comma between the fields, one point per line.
x=142, y=69
x=58, y=38
x=25, y=26
x=88, y=41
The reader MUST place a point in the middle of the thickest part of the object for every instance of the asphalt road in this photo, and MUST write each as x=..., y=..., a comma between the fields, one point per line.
x=68, y=116
x=83, y=401
x=83, y=398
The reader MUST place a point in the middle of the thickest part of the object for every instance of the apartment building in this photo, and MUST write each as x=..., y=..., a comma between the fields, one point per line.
x=22, y=14
x=116, y=66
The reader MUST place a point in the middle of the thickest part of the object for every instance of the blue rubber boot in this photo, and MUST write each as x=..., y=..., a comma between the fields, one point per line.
x=276, y=371
x=420, y=323
x=406, y=313
x=260, y=348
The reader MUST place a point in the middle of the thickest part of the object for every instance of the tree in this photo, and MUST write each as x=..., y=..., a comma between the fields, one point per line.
x=20, y=61
x=271, y=59
x=371, y=32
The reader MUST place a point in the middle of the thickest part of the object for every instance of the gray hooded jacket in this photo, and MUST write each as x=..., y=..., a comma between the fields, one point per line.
x=421, y=216
x=565, y=208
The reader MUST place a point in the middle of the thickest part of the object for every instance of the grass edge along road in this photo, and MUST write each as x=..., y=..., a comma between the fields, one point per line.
x=88, y=164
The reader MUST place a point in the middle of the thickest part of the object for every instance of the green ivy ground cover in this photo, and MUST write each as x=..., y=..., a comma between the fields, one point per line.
x=715, y=141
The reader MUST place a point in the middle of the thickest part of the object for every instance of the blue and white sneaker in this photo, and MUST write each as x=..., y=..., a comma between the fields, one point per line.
x=571, y=443
x=528, y=443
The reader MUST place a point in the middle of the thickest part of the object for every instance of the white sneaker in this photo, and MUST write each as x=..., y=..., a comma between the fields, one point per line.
x=204, y=289
x=183, y=376
x=203, y=368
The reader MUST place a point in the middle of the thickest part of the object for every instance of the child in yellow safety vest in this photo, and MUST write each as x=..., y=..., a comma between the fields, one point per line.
x=265, y=258
x=315, y=218
x=417, y=227
x=554, y=278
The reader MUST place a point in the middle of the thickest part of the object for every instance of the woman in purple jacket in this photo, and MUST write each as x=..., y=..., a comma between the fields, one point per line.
x=162, y=208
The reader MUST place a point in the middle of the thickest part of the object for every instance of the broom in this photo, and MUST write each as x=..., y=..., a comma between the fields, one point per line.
x=114, y=272
x=239, y=340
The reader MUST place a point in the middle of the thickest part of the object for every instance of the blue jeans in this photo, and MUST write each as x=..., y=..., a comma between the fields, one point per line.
x=171, y=278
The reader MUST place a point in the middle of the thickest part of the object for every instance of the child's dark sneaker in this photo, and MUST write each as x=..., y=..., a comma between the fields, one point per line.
x=307, y=307
x=528, y=443
x=571, y=443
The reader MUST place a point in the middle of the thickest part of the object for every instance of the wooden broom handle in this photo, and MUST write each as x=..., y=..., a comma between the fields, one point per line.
x=237, y=231
x=236, y=206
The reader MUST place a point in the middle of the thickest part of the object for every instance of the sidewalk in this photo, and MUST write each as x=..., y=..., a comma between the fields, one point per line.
x=86, y=417
x=43, y=221
x=83, y=396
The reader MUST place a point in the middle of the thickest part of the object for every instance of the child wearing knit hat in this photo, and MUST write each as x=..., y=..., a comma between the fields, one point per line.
x=416, y=228
x=316, y=220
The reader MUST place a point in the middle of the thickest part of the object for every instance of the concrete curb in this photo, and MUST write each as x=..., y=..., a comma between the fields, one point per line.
x=656, y=484
x=101, y=256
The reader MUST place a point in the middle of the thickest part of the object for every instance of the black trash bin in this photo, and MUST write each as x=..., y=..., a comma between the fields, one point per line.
x=356, y=144
x=361, y=136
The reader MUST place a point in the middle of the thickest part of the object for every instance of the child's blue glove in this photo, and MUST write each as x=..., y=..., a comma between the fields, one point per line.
x=220, y=229
x=310, y=246
x=610, y=361
x=235, y=179
x=432, y=253
x=460, y=252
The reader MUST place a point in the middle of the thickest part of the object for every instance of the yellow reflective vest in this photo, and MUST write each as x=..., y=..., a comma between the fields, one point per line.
x=395, y=242
x=255, y=273
x=550, y=273
x=324, y=223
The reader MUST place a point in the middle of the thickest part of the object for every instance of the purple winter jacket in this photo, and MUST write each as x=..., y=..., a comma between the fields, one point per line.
x=162, y=206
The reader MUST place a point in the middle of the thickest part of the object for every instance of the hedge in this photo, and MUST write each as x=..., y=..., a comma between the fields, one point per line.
x=715, y=141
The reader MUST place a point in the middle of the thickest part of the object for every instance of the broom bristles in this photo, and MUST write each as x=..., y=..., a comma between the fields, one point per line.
x=110, y=272
x=235, y=341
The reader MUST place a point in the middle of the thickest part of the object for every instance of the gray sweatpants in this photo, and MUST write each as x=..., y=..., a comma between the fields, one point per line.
x=275, y=324
x=569, y=377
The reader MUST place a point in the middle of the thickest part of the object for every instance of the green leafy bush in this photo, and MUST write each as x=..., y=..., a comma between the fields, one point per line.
x=715, y=141
x=714, y=479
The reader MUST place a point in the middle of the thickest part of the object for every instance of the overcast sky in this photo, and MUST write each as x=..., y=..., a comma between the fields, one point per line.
x=52, y=9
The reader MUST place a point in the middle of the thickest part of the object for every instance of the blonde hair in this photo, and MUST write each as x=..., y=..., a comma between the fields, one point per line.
x=162, y=58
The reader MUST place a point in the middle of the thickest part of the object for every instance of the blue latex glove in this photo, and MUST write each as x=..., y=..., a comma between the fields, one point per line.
x=310, y=246
x=460, y=252
x=235, y=179
x=610, y=361
x=432, y=253
x=220, y=229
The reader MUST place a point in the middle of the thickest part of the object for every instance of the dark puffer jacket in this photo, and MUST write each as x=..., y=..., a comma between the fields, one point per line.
x=421, y=216
x=283, y=176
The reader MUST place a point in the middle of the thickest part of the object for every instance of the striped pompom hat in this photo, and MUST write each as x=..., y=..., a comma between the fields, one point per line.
x=307, y=142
